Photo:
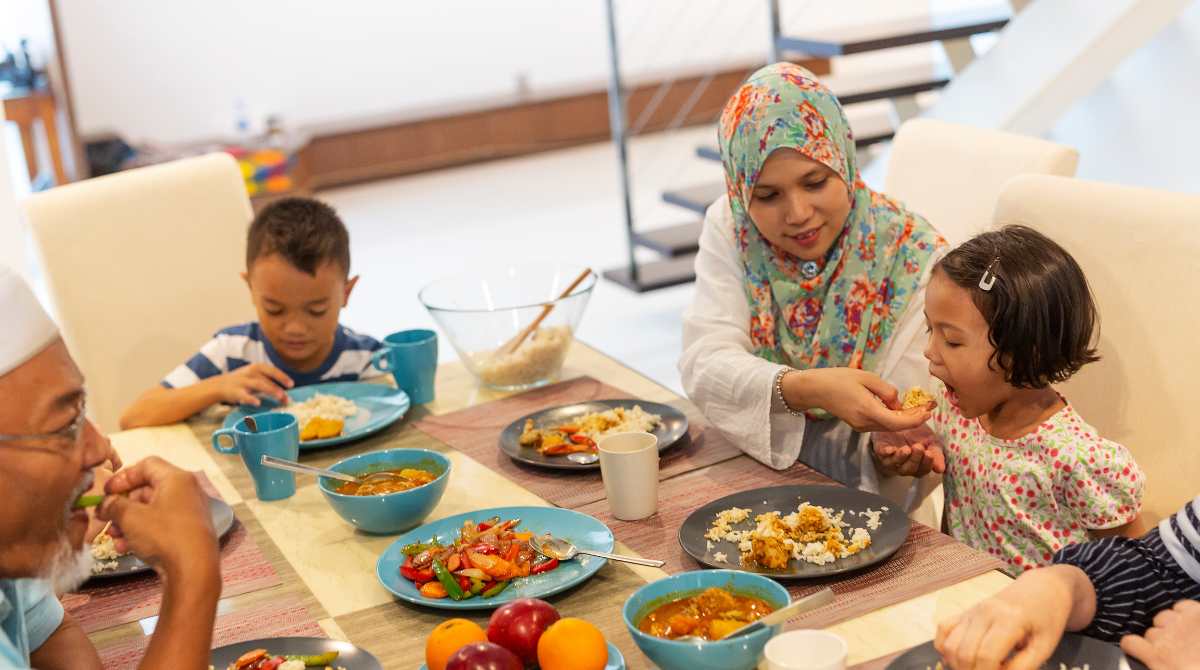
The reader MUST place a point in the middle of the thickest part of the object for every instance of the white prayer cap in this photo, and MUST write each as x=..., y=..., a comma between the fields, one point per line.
x=26, y=328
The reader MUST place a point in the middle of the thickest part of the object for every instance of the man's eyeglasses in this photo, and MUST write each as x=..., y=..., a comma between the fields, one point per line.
x=63, y=439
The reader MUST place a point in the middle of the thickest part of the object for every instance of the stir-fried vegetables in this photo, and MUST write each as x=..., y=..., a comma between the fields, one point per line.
x=481, y=562
x=261, y=659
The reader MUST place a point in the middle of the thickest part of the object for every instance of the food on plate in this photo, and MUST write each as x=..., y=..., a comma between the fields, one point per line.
x=447, y=638
x=572, y=644
x=810, y=534
x=322, y=416
x=539, y=357
x=582, y=433
x=261, y=659
x=104, y=552
x=518, y=626
x=917, y=397
x=711, y=614
x=481, y=562
x=405, y=480
x=483, y=656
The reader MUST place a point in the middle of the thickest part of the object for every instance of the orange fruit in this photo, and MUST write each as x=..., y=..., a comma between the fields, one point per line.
x=572, y=644
x=450, y=636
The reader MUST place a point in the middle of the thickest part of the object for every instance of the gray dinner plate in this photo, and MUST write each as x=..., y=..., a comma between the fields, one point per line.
x=349, y=657
x=222, y=520
x=671, y=431
x=885, y=540
x=1073, y=651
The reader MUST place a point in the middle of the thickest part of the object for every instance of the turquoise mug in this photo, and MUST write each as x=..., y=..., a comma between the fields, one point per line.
x=411, y=356
x=278, y=436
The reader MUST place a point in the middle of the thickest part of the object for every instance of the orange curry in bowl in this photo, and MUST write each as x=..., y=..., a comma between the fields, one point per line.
x=406, y=479
x=711, y=615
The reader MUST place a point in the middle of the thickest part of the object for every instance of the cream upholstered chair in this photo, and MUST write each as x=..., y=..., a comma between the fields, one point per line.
x=143, y=268
x=1140, y=249
x=952, y=174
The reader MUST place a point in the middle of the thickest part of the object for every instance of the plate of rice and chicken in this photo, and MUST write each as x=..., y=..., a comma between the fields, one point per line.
x=336, y=412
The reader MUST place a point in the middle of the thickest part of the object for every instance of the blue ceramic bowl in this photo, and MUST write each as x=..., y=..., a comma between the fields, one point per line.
x=740, y=653
x=391, y=512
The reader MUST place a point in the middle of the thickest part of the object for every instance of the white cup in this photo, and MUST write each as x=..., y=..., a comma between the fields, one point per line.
x=629, y=466
x=805, y=650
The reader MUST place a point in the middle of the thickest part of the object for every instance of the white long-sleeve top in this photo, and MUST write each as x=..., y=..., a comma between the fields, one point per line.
x=735, y=389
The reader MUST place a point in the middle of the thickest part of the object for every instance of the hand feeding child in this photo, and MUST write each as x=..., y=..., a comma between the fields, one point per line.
x=1009, y=313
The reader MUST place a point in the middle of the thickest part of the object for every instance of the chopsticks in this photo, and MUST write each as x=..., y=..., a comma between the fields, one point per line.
x=514, y=343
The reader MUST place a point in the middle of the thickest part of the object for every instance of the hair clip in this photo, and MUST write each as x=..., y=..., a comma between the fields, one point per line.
x=988, y=280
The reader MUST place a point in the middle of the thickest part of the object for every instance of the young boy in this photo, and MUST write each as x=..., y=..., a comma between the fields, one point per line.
x=297, y=269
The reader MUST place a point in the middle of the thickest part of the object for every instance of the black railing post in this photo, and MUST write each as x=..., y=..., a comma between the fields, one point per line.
x=616, y=121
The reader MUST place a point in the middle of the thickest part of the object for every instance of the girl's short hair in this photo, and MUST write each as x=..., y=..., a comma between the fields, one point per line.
x=1040, y=313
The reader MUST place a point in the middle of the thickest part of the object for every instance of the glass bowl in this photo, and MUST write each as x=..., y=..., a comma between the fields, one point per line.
x=480, y=314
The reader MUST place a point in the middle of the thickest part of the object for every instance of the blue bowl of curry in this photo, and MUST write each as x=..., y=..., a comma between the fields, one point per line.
x=391, y=506
x=707, y=604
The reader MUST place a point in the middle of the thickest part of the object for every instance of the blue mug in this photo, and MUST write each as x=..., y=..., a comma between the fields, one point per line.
x=278, y=436
x=411, y=356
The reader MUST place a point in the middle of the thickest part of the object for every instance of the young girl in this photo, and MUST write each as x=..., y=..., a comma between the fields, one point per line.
x=1009, y=313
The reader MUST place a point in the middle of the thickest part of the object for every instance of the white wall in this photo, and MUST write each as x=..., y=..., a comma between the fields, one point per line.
x=12, y=230
x=171, y=71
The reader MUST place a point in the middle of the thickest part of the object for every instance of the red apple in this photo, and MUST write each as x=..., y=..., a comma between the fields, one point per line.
x=483, y=656
x=517, y=626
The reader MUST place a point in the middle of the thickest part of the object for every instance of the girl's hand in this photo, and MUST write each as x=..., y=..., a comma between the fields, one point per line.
x=1171, y=643
x=860, y=398
x=911, y=453
x=1025, y=621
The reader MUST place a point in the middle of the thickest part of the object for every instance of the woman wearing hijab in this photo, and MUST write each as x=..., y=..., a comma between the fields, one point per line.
x=809, y=292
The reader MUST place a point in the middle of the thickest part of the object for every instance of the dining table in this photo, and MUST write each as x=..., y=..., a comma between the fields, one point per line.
x=294, y=567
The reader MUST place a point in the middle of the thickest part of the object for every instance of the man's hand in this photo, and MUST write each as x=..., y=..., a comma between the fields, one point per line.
x=862, y=399
x=1172, y=642
x=1022, y=624
x=912, y=453
x=160, y=514
x=240, y=386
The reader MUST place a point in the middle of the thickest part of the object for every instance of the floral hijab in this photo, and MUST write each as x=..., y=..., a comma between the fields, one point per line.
x=845, y=314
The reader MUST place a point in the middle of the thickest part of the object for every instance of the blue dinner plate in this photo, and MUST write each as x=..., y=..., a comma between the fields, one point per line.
x=379, y=406
x=585, y=531
x=615, y=660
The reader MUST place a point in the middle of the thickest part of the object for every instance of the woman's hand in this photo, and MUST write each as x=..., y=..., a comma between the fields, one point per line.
x=860, y=398
x=1171, y=643
x=1021, y=625
x=911, y=453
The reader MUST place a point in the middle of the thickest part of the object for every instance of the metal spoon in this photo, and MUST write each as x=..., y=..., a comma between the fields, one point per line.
x=779, y=616
x=564, y=550
x=293, y=466
x=251, y=424
x=583, y=458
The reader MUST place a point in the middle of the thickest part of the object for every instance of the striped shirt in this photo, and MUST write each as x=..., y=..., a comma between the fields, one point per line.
x=239, y=346
x=1137, y=579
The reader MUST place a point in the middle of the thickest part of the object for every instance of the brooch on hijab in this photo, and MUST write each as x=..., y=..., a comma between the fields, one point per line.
x=988, y=280
x=810, y=269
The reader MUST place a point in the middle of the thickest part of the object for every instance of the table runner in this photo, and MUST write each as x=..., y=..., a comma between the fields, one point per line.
x=880, y=663
x=244, y=568
x=475, y=431
x=287, y=617
x=927, y=561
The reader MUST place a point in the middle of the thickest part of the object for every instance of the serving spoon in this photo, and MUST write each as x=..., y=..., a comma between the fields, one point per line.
x=293, y=466
x=564, y=550
x=779, y=616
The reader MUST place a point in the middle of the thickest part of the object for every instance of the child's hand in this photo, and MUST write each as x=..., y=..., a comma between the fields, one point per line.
x=912, y=453
x=1022, y=624
x=1170, y=644
x=239, y=387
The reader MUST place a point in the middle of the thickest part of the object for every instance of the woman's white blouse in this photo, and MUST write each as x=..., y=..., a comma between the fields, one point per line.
x=735, y=389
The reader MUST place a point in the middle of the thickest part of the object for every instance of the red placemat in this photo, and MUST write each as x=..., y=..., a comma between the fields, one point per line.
x=927, y=561
x=475, y=431
x=286, y=618
x=106, y=603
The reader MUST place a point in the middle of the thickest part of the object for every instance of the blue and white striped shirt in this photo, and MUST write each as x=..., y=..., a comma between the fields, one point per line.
x=238, y=346
x=1135, y=579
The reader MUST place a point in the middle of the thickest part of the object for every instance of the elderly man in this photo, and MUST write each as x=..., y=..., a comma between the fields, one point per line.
x=48, y=451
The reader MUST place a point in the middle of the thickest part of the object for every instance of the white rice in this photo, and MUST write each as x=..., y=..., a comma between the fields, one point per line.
x=720, y=557
x=539, y=357
x=105, y=553
x=324, y=406
x=873, y=522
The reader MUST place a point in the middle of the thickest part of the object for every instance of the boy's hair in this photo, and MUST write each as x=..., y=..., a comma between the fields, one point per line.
x=306, y=232
x=1039, y=311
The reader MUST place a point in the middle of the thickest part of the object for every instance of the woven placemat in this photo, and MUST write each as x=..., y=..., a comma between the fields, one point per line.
x=106, y=603
x=285, y=618
x=475, y=431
